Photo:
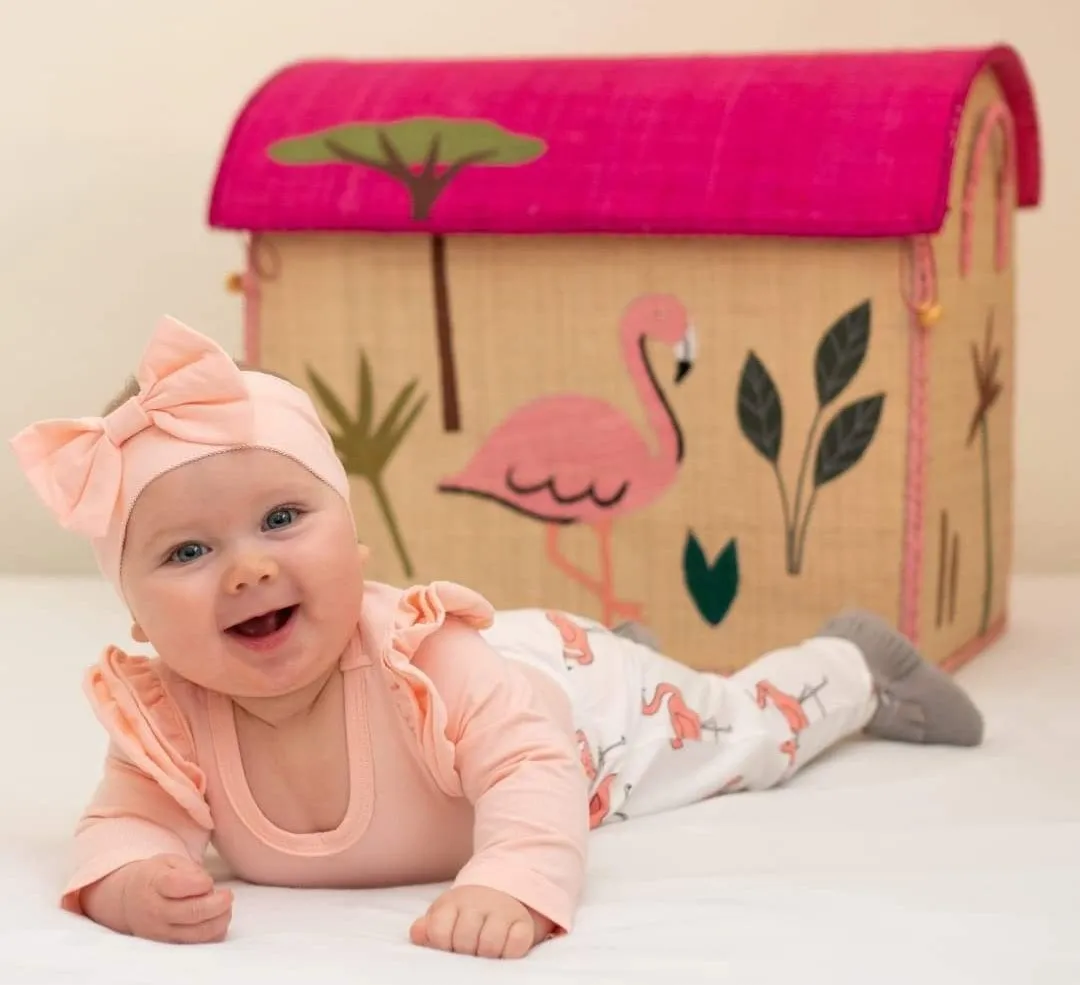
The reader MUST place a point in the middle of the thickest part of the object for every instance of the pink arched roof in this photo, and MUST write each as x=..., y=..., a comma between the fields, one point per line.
x=839, y=144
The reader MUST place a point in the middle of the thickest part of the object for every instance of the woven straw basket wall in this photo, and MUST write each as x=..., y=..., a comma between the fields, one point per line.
x=721, y=574
x=963, y=596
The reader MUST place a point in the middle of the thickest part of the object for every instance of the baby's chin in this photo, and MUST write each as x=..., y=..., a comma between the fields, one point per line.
x=273, y=677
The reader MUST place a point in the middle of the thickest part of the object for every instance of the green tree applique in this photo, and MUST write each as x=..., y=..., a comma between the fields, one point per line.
x=423, y=154
x=364, y=449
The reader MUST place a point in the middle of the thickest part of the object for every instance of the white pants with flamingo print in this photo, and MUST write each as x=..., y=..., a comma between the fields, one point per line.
x=655, y=734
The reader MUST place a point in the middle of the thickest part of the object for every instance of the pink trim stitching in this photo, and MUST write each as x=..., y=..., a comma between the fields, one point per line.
x=996, y=117
x=975, y=646
x=921, y=301
x=251, y=307
x=262, y=264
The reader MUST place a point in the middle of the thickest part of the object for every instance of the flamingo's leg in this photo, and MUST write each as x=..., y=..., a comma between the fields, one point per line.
x=611, y=606
x=607, y=576
x=556, y=558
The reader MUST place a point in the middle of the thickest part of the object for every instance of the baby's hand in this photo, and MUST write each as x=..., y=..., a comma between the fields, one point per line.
x=480, y=921
x=167, y=898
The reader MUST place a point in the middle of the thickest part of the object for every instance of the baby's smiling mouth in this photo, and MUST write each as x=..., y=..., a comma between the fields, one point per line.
x=265, y=624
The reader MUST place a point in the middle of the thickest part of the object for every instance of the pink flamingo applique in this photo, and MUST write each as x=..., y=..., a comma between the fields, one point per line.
x=571, y=458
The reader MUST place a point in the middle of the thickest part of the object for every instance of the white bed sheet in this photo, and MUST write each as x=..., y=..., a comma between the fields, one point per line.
x=880, y=864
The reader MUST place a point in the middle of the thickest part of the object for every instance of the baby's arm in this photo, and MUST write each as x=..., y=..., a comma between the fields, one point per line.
x=138, y=862
x=521, y=770
x=140, y=843
x=129, y=818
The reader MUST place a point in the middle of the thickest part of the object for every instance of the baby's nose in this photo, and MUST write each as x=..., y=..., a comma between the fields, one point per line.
x=250, y=570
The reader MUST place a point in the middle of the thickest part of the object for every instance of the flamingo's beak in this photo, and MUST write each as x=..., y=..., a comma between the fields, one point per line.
x=685, y=354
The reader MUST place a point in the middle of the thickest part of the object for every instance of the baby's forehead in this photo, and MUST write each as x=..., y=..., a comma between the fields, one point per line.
x=220, y=485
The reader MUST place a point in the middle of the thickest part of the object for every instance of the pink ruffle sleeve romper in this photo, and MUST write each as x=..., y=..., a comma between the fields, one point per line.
x=463, y=767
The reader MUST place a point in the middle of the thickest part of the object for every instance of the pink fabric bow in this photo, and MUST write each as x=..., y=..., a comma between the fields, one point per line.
x=189, y=389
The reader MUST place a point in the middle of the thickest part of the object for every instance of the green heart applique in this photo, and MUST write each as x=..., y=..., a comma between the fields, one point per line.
x=712, y=586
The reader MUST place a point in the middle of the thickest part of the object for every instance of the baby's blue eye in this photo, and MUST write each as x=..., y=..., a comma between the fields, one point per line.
x=281, y=517
x=187, y=552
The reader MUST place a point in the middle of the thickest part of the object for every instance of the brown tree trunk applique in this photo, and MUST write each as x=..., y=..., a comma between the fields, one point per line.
x=943, y=566
x=444, y=334
x=948, y=572
x=954, y=576
x=988, y=389
x=424, y=155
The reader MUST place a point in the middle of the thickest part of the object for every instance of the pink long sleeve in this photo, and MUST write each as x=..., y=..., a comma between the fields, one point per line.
x=129, y=818
x=150, y=799
x=519, y=767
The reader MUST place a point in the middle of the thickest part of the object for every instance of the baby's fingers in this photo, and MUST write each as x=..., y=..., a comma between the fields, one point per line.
x=519, y=939
x=466, y=935
x=180, y=882
x=207, y=932
x=418, y=931
x=492, y=940
x=198, y=909
x=441, y=921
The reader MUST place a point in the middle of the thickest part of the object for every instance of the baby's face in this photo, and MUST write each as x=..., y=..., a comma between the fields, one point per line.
x=243, y=572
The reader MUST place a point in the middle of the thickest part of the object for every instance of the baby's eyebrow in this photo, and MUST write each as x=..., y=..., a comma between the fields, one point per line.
x=168, y=536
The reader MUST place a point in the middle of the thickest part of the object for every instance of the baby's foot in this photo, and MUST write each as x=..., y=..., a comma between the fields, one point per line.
x=917, y=701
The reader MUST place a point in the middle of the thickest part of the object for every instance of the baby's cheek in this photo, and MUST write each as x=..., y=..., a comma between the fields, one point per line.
x=208, y=664
x=335, y=610
x=334, y=570
x=186, y=635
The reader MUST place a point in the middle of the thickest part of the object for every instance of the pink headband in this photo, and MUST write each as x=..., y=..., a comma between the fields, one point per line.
x=193, y=401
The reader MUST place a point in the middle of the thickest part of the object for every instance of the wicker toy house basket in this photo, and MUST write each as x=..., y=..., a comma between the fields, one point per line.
x=717, y=343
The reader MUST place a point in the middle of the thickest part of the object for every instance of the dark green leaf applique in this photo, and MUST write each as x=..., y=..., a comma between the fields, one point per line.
x=846, y=438
x=713, y=586
x=841, y=352
x=761, y=413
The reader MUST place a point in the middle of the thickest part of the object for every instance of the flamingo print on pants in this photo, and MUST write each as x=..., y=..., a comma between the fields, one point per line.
x=686, y=724
x=792, y=708
x=653, y=734
x=571, y=458
x=575, y=640
x=600, y=799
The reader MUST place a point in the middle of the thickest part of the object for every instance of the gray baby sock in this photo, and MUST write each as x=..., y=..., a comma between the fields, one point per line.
x=638, y=633
x=917, y=701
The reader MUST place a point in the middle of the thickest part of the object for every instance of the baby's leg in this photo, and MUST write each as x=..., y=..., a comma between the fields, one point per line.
x=697, y=734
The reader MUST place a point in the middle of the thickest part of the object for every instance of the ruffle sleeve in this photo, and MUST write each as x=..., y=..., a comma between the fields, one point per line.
x=486, y=737
x=150, y=799
x=145, y=724
x=415, y=615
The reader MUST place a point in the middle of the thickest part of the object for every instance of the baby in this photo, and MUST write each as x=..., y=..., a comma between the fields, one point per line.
x=318, y=730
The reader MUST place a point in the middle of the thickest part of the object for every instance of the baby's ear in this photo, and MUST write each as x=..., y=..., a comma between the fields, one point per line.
x=137, y=634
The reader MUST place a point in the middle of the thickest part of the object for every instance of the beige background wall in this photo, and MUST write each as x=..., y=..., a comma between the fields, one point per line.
x=114, y=111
